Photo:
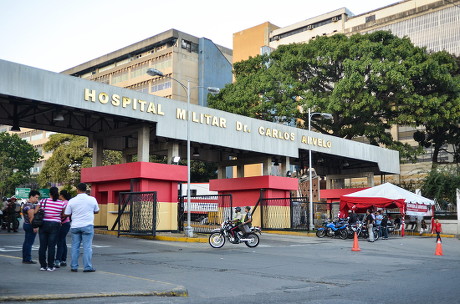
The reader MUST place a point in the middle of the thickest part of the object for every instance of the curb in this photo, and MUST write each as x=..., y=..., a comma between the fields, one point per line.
x=204, y=239
x=197, y=239
x=176, y=292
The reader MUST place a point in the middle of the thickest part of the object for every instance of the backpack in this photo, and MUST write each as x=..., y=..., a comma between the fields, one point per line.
x=39, y=216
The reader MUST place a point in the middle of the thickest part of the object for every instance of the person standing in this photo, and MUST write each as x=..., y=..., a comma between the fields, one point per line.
x=370, y=225
x=48, y=232
x=437, y=228
x=28, y=210
x=378, y=221
x=246, y=224
x=384, y=227
x=61, y=252
x=82, y=209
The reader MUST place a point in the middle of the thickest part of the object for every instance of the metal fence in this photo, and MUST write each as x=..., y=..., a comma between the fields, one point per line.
x=293, y=213
x=207, y=212
x=284, y=213
x=137, y=213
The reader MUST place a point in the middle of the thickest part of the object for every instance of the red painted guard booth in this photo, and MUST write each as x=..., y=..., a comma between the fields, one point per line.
x=108, y=181
x=246, y=191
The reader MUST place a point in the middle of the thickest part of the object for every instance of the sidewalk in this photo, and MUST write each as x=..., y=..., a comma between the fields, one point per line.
x=30, y=284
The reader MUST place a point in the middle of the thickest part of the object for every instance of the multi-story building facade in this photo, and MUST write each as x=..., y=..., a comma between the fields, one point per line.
x=432, y=24
x=178, y=55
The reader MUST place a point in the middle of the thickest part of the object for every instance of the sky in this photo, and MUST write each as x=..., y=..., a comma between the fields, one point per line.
x=56, y=35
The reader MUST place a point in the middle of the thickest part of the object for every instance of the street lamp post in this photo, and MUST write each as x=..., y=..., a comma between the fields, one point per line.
x=310, y=115
x=155, y=72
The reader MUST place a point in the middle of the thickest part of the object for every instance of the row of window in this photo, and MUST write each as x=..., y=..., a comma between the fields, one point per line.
x=436, y=31
x=306, y=28
x=160, y=63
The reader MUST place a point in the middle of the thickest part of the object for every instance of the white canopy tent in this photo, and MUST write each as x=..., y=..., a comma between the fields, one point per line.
x=387, y=196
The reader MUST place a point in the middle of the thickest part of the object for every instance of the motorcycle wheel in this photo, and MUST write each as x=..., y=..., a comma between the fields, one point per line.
x=216, y=240
x=343, y=234
x=376, y=235
x=350, y=233
x=254, y=240
x=321, y=233
x=16, y=224
x=330, y=233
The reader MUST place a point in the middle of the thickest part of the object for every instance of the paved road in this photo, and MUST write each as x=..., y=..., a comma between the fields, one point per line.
x=283, y=269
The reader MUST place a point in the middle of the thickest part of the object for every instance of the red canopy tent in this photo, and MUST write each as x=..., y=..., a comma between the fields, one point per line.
x=385, y=196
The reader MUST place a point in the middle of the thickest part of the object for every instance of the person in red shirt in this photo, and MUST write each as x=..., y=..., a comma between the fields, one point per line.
x=437, y=229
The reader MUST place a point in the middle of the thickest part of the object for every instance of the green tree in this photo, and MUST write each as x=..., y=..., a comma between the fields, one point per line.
x=70, y=155
x=438, y=109
x=441, y=184
x=16, y=158
x=368, y=82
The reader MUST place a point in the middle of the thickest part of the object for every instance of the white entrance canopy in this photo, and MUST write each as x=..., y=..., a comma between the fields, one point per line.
x=115, y=118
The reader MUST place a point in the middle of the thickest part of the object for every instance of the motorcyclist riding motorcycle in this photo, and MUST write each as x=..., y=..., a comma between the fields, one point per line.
x=237, y=220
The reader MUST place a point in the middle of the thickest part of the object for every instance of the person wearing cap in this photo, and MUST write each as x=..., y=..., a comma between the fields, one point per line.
x=246, y=224
x=237, y=219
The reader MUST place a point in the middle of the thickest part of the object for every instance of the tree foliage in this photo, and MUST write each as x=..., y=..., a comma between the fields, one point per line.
x=441, y=184
x=70, y=155
x=439, y=109
x=368, y=82
x=16, y=158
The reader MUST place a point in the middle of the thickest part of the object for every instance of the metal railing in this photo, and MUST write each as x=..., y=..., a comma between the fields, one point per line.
x=207, y=212
x=137, y=213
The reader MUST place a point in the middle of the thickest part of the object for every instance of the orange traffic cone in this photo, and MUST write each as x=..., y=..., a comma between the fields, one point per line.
x=355, y=243
x=438, y=248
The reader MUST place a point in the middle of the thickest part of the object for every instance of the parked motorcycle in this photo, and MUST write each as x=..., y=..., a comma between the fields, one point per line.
x=218, y=236
x=332, y=229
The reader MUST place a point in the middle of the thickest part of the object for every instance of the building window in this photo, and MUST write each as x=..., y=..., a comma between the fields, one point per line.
x=160, y=85
x=187, y=45
x=370, y=18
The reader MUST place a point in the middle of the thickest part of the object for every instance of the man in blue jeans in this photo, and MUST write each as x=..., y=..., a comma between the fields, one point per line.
x=28, y=210
x=82, y=209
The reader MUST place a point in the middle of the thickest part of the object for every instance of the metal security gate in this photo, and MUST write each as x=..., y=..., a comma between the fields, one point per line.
x=137, y=213
x=285, y=213
x=207, y=212
x=324, y=211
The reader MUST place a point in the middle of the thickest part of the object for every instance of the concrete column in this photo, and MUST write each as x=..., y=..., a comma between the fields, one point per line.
x=339, y=183
x=126, y=157
x=329, y=183
x=173, y=151
x=97, y=151
x=267, y=166
x=143, y=144
x=240, y=171
x=221, y=172
x=285, y=166
x=370, y=179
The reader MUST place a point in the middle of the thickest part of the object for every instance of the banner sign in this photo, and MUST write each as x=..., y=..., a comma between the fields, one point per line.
x=418, y=209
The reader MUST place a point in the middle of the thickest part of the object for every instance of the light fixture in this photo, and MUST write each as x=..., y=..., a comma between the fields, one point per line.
x=310, y=169
x=289, y=174
x=346, y=164
x=58, y=117
x=176, y=160
x=154, y=72
x=276, y=163
x=196, y=152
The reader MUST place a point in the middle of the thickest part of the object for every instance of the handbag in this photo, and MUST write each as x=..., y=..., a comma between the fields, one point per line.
x=39, y=216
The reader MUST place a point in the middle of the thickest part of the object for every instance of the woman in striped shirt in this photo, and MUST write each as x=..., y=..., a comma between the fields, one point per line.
x=48, y=232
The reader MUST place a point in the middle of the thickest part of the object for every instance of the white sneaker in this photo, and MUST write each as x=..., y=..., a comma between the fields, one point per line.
x=51, y=269
x=43, y=269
